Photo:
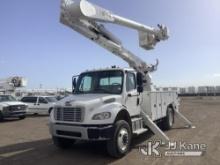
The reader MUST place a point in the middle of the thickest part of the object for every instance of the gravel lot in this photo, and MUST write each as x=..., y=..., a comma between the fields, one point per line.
x=28, y=141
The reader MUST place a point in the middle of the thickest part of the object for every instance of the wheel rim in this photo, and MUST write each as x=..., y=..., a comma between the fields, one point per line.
x=170, y=118
x=123, y=139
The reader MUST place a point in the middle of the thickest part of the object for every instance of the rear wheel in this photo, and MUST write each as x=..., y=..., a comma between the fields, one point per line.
x=119, y=145
x=169, y=119
x=63, y=143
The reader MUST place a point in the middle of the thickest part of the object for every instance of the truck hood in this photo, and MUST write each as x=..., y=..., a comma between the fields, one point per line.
x=9, y=103
x=88, y=100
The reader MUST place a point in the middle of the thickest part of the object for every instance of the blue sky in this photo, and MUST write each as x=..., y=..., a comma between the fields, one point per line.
x=35, y=45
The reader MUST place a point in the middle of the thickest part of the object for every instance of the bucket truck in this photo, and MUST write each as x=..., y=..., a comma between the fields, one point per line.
x=112, y=104
x=9, y=85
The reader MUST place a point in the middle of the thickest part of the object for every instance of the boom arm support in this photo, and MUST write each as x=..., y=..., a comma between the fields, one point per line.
x=9, y=85
x=86, y=18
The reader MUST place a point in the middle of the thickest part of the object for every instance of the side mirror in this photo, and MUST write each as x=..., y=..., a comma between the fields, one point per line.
x=73, y=84
x=139, y=79
x=140, y=89
x=140, y=82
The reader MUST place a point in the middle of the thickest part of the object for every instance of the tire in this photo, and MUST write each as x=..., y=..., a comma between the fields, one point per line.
x=119, y=145
x=50, y=110
x=1, y=116
x=63, y=143
x=22, y=117
x=169, y=119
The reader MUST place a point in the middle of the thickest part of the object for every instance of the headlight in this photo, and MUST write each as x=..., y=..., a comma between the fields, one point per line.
x=101, y=116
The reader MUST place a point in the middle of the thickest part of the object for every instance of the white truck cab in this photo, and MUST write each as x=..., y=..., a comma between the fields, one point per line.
x=106, y=105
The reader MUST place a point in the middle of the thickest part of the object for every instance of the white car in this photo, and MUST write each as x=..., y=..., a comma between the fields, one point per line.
x=10, y=107
x=39, y=104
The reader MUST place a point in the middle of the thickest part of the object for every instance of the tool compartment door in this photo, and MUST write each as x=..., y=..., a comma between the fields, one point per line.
x=166, y=100
x=159, y=105
x=153, y=105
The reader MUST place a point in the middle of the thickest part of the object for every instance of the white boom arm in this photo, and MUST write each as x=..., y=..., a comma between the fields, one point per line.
x=84, y=17
x=9, y=85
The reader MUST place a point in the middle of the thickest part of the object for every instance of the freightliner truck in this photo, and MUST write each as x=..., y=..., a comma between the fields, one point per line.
x=112, y=104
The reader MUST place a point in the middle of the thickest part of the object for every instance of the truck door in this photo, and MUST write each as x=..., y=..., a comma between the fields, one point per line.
x=132, y=98
x=32, y=103
x=43, y=105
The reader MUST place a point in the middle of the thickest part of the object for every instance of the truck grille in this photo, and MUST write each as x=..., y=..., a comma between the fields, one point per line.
x=17, y=107
x=69, y=114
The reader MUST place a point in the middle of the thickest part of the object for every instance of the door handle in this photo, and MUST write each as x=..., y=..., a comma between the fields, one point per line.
x=130, y=95
x=138, y=101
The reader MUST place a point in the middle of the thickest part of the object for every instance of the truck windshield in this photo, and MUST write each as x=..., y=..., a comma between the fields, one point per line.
x=100, y=82
x=6, y=98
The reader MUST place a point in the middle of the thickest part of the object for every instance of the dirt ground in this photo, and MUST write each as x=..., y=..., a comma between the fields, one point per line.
x=28, y=142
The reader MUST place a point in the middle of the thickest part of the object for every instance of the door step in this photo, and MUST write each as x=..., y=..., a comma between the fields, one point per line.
x=137, y=126
x=140, y=131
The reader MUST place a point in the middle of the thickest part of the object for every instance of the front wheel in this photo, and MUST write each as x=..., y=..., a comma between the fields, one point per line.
x=119, y=145
x=63, y=143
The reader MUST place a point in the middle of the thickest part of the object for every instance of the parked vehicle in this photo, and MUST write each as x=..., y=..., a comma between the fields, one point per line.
x=112, y=104
x=39, y=104
x=10, y=107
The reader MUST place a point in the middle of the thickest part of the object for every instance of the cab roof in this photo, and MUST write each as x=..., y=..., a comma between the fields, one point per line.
x=110, y=69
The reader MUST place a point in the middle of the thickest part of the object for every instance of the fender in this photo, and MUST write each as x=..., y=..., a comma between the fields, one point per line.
x=174, y=106
x=123, y=114
x=114, y=108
